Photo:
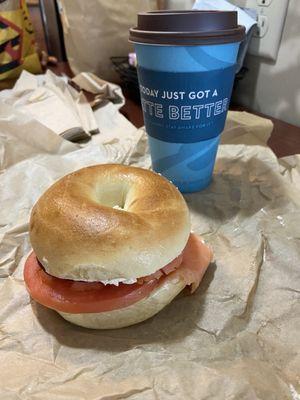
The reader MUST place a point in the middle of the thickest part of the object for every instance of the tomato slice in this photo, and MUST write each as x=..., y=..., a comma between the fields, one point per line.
x=80, y=297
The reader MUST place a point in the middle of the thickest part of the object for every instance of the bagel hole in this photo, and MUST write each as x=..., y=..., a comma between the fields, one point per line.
x=112, y=195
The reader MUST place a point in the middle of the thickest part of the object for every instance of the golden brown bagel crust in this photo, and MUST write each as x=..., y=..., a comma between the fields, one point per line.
x=77, y=234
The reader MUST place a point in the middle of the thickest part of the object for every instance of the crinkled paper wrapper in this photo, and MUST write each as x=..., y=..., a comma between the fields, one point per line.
x=237, y=337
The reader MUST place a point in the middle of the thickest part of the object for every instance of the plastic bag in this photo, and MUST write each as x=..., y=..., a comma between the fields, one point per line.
x=96, y=30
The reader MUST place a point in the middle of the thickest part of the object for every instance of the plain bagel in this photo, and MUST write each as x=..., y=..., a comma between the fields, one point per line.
x=109, y=222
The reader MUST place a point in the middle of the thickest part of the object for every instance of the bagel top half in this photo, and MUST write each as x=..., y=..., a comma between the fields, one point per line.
x=109, y=222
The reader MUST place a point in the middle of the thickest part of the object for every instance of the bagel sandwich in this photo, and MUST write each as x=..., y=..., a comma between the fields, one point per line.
x=112, y=246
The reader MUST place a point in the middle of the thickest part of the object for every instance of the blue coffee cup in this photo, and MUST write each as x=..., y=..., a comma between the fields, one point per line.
x=186, y=69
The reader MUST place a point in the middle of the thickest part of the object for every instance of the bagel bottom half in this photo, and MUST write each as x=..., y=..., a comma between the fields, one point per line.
x=137, y=312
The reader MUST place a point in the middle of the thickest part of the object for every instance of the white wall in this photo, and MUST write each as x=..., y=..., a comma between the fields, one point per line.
x=273, y=88
x=179, y=4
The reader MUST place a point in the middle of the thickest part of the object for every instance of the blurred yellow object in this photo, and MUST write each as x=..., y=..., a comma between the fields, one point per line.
x=17, y=42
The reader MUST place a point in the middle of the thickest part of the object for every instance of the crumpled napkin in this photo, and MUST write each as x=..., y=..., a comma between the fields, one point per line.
x=103, y=90
x=53, y=102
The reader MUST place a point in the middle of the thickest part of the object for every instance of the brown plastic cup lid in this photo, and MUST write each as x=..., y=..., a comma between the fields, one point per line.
x=184, y=28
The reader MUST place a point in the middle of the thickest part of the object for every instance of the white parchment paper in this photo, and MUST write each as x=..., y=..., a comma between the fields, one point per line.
x=237, y=337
